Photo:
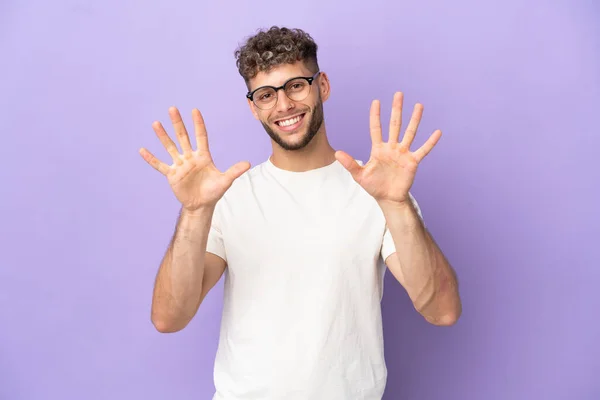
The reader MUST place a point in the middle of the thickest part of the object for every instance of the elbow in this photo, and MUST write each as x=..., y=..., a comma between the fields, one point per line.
x=165, y=328
x=444, y=320
x=163, y=325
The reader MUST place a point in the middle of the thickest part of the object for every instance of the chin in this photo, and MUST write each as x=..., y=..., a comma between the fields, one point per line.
x=293, y=140
x=290, y=140
x=297, y=134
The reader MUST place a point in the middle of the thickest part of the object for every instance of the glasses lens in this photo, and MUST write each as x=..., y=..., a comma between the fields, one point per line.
x=297, y=89
x=265, y=98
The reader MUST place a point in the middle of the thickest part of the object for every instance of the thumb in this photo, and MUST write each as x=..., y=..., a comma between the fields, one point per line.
x=236, y=170
x=348, y=162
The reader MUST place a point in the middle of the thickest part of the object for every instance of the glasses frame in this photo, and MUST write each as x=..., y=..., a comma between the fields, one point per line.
x=309, y=79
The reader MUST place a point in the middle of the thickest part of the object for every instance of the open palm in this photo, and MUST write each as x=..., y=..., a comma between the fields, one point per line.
x=391, y=169
x=193, y=176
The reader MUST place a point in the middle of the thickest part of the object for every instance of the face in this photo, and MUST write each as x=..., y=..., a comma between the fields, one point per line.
x=292, y=124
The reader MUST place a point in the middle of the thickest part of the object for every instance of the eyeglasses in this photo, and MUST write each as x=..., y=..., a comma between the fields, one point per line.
x=296, y=89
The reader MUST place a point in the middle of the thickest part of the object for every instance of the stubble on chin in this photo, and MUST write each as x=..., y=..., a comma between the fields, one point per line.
x=310, y=130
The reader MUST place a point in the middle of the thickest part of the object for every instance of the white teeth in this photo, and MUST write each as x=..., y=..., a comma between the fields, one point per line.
x=289, y=122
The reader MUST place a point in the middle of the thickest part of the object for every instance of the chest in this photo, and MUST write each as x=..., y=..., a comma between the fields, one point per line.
x=322, y=231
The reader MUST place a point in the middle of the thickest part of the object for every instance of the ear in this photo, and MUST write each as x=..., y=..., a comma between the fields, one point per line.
x=252, y=108
x=324, y=86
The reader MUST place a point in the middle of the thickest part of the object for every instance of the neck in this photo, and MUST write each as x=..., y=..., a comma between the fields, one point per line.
x=318, y=153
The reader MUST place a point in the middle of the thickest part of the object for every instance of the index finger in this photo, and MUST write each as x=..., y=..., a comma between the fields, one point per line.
x=375, y=122
x=200, y=128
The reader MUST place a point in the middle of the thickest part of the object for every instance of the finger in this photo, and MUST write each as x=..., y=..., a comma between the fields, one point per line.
x=200, y=129
x=154, y=162
x=237, y=170
x=349, y=163
x=375, y=122
x=428, y=145
x=167, y=142
x=180, y=131
x=411, y=129
x=396, y=118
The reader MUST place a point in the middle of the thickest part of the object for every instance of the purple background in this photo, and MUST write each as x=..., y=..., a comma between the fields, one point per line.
x=510, y=193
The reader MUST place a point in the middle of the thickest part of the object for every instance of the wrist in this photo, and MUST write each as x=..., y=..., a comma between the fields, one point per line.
x=393, y=205
x=400, y=214
x=193, y=224
x=198, y=212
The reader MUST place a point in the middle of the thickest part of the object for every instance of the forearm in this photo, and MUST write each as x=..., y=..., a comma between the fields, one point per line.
x=178, y=286
x=425, y=273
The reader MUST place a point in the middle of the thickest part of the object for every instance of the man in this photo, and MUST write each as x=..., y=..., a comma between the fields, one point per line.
x=299, y=238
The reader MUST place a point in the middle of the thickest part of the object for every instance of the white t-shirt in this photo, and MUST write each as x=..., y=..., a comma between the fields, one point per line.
x=303, y=287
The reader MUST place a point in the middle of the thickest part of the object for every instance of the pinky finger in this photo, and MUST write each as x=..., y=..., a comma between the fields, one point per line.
x=428, y=146
x=154, y=162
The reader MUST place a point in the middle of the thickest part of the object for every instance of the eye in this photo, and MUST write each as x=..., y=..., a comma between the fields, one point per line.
x=296, y=86
x=264, y=95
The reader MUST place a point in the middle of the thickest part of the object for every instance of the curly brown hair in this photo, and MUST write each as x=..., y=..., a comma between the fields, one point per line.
x=275, y=46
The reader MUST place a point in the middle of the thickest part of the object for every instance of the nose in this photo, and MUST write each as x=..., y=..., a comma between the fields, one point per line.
x=283, y=102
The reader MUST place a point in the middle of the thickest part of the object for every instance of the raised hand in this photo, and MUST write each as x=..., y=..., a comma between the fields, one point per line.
x=391, y=169
x=193, y=176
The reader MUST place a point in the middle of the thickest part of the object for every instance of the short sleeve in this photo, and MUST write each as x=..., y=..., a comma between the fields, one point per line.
x=388, y=248
x=215, y=244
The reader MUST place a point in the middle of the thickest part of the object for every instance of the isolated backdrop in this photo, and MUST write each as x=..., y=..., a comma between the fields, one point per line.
x=510, y=193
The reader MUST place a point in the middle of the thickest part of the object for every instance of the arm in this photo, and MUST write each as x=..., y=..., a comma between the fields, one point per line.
x=421, y=267
x=418, y=264
x=187, y=272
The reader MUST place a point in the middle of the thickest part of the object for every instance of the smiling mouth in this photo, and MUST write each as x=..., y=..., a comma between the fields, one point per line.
x=290, y=123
